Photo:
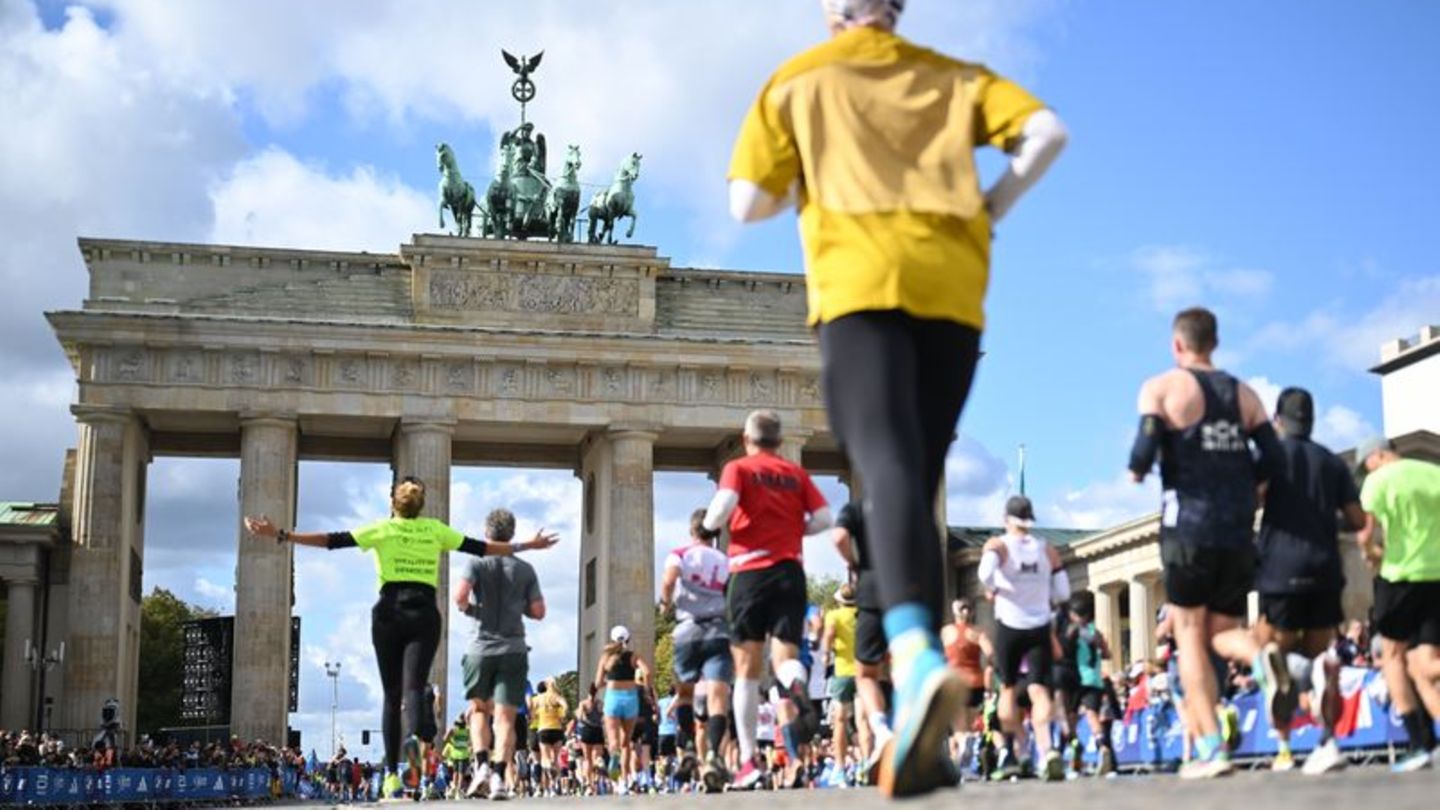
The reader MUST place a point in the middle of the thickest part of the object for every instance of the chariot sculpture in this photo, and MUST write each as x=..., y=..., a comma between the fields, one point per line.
x=522, y=201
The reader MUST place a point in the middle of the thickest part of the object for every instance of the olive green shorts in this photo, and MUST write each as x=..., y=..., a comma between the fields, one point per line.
x=500, y=678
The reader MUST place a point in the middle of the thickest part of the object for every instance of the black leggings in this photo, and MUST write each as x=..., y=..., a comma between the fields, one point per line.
x=894, y=389
x=405, y=629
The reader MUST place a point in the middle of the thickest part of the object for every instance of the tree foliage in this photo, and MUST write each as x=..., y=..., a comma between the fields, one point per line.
x=569, y=685
x=821, y=591
x=162, y=651
x=664, y=663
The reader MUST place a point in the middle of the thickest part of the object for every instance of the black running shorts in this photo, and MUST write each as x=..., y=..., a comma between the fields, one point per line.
x=1030, y=646
x=1407, y=611
x=1217, y=578
x=870, y=646
x=1319, y=610
x=767, y=602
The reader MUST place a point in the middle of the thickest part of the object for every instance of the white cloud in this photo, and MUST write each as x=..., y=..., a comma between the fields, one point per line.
x=1101, y=504
x=1348, y=337
x=273, y=199
x=1180, y=276
x=976, y=484
x=220, y=597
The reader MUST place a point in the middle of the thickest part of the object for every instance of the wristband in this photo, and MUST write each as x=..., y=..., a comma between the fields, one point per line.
x=282, y=536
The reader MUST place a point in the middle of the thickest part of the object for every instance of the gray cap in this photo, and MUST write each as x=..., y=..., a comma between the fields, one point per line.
x=1367, y=448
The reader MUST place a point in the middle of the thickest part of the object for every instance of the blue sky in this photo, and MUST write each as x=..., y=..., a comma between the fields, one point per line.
x=1264, y=159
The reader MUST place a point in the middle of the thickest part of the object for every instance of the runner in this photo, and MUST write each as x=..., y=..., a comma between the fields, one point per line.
x=405, y=623
x=1301, y=576
x=870, y=654
x=1201, y=422
x=457, y=755
x=590, y=722
x=838, y=638
x=694, y=587
x=549, y=708
x=1093, y=693
x=897, y=242
x=1065, y=686
x=769, y=504
x=964, y=646
x=496, y=665
x=1402, y=497
x=620, y=669
x=1028, y=580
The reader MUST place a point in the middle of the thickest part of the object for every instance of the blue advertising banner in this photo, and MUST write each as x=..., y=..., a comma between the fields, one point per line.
x=53, y=786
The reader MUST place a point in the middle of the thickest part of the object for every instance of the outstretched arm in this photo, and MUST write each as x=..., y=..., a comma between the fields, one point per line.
x=264, y=527
x=491, y=548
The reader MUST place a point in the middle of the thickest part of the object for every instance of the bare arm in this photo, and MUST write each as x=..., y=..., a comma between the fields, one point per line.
x=264, y=527
x=827, y=640
x=844, y=545
x=1354, y=517
x=667, y=587
x=600, y=668
x=461, y=595
x=539, y=542
x=1370, y=544
x=536, y=610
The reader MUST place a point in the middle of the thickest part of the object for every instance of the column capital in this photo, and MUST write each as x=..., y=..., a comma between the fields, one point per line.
x=268, y=418
x=91, y=414
x=428, y=424
x=1112, y=587
x=633, y=431
x=21, y=581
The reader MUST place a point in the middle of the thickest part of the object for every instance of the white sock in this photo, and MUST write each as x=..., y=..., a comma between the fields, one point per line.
x=747, y=715
x=879, y=724
x=791, y=671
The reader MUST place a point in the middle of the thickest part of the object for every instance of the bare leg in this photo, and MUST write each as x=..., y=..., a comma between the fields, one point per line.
x=1040, y=717
x=1397, y=678
x=1196, y=675
x=1421, y=662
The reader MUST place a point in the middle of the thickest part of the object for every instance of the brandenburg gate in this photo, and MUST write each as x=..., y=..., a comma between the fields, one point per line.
x=600, y=359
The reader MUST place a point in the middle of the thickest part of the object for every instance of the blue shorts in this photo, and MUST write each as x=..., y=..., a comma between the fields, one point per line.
x=708, y=660
x=622, y=704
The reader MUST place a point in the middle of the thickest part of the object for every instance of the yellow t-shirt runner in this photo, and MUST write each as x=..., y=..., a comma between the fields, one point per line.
x=549, y=712
x=408, y=549
x=879, y=135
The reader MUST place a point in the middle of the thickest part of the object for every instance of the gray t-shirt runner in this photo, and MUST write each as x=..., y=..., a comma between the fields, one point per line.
x=503, y=587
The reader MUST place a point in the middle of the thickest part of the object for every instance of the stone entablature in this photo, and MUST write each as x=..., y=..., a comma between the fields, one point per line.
x=445, y=280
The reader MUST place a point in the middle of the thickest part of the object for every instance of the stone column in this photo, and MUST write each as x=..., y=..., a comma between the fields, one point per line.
x=422, y=449
x=793, y=446
x=16, y=682
x=260, y=673
x=1142, y=620
x=95, y=655
x=630, y=548
x=1107, y=620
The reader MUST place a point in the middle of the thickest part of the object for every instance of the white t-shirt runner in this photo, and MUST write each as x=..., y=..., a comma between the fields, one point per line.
x=699, y=592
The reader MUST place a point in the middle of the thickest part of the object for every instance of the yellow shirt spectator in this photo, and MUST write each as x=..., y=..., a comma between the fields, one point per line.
x=841, y=622
x=878, y=135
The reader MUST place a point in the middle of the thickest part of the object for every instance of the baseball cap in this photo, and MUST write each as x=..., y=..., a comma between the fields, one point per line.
x=1296, y=411
x=1368, y=447
x=620, y=633
x=1020, y=508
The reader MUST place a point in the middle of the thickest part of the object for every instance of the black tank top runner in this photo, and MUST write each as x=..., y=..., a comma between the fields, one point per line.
x=1208, y=472
x=623, y=667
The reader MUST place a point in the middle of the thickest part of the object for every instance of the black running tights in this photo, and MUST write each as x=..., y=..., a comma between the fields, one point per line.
x=405, y=629
x=894, y=389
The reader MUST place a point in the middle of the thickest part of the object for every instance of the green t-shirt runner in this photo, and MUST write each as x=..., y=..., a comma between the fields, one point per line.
x=1404, y=497
x=408, y=549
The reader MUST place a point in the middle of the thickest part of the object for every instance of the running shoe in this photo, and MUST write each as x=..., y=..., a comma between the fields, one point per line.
x=748, y=777
x=871, y=768
x=1107, y=762
x=1054, y=767
x=925, y=707
x=410, y=753
x=713, y=775
x=479, y=783
x=1283, y=762
x=1273, y=674
x=1324, y=759
x=807, y=725
x=499, y=792
x=1414, y=761
x=1207, y=768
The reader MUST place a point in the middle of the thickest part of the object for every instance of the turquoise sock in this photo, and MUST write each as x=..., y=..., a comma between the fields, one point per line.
x=906, y=617
x=1207, y=745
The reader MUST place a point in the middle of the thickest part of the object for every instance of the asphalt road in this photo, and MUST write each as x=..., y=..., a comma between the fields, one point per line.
x=1368, y=788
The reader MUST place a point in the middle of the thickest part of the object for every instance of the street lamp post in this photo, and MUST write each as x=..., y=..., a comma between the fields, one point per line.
x=332, y=671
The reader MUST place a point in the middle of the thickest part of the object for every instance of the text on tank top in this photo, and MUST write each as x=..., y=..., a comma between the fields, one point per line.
x=1207, y=470
x=1023, y=599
